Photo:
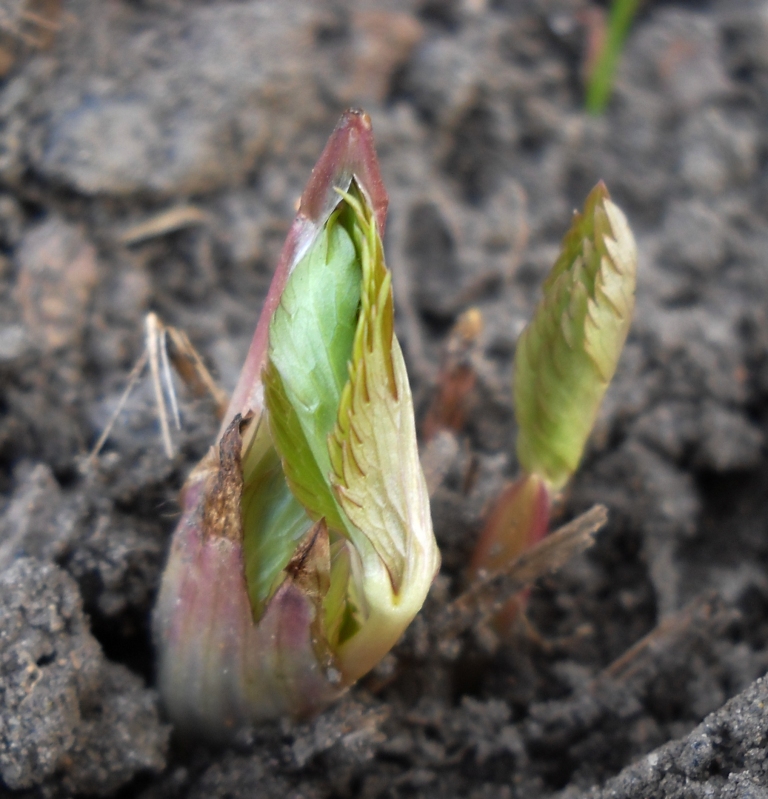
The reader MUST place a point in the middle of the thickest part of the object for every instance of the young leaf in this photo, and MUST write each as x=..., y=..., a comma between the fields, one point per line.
x=273, y=523
x=376, y=471
x=305, y=547
x=311, y=338
x=567, y=355
x=307, y=482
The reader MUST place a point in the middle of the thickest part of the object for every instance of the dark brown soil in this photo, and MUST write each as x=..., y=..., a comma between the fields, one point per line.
x=147, y=105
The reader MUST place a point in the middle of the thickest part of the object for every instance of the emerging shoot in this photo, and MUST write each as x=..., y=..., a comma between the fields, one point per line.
x=306, y=544
x=564, y=361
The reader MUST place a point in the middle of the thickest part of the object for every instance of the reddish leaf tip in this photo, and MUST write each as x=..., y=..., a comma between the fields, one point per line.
x=349, y=153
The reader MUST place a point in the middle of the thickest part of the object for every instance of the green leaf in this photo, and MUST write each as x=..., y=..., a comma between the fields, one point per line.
x=600, y=82
x=308, y=484
x=341, y=417
x=342, y=618
x=567, y=355
x=274, y=522
x=311, y=337
x=377, y=474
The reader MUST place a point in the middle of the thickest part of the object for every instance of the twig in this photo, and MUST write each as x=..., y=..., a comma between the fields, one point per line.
x=488, y=594
x=167, y=221
x=193, y=371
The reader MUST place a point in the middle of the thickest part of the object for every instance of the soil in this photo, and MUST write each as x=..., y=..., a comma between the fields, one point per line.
x=618, y=680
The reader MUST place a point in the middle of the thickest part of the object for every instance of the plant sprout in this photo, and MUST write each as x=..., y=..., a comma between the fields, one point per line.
x=600, y=79
x=564, y=361
x=305, y=547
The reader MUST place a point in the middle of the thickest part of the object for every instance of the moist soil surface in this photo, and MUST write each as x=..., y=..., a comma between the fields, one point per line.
x=151, y=155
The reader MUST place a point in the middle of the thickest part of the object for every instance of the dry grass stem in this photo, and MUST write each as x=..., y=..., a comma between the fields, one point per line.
x=168, y=221
x=490, y=591
x=187, y=363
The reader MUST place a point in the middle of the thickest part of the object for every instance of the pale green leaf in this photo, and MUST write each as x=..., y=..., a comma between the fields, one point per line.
x=567, y=355
x=311, y=337
x=377, y=473
x=273, y=522
x=308, y=484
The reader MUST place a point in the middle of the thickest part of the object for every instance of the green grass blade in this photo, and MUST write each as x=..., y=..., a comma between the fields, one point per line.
x=601, y=80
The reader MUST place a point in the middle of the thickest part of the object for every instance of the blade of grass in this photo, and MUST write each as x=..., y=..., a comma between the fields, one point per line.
x=601, y=79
